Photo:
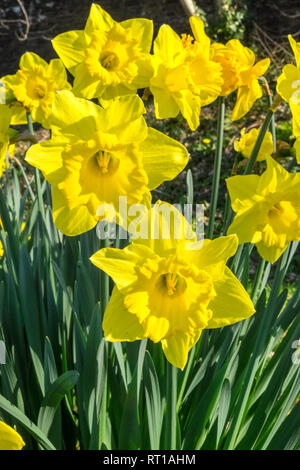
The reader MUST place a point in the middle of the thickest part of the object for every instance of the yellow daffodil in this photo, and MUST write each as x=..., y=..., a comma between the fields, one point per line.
x=169, y=288
x=6, y=133
x=9, y=438
x=239, y=73
x=33, y=88
x=288, y=83
x=96, y=155
x=295, y=108
x=288, y=87
x=247, y=141
x=107, y=58
x=184, y=79
x=267, y=209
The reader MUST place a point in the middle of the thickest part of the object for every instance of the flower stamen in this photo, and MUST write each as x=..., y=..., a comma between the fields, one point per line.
x=103, y=160
x=109, y=61
x=171, y=282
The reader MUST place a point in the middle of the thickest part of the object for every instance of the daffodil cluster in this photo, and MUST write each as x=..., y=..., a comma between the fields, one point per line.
x=168, y=289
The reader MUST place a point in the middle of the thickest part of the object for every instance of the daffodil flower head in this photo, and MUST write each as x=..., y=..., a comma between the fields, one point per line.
x=9, y=438
x=33, y=88
x=295, y=109
x=96, y=155
x=247, y=141
x=288, y=83
x=107, y=58
x=267, y=209
x=6, y=133
x=288, y=87
x=184, y=77
x=239, y=73
x=169, y=288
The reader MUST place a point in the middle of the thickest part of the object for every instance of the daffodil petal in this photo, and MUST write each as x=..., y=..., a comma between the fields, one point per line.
x=213, y=254
x=112, y=92
x=164, y=103
x=85, y=85
x=163, y=157
x=198, y=29
x=296, y=49
x=232, y=302
x=246, y=97
x=30, y=60
x=241, y=187
x=118, y=323
x=57, y=70
x=121, y=265
x=270, y=253
x=124, y=118
x=167, y=229
x=71, y=221
x=47, y=156
x=142, y=30
x=190, y=107
x=74, y=115
x=155, y=327
x=9, y=438
x=244, y=225
x=98, y=19
x=288, y=84
x=5, y=113
x=166, y=44
x=246, y=55
x=70, y=48
x=297, y=148
x=177, y=347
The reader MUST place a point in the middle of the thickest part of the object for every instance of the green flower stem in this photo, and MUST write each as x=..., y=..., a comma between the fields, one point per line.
x=292, y=163
x=258, y=142
x=171, y=416
x=103, y=407
x=29, y=123
x=104, y=298
x=217, y=168
x=104, y=283
x=258, y=277
x=36, y=173
x=272, y=125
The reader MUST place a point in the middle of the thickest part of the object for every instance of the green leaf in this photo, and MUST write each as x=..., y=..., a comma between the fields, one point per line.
x=53, y=397
x=154, y=404
x=224, y=403
x=22, y=419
